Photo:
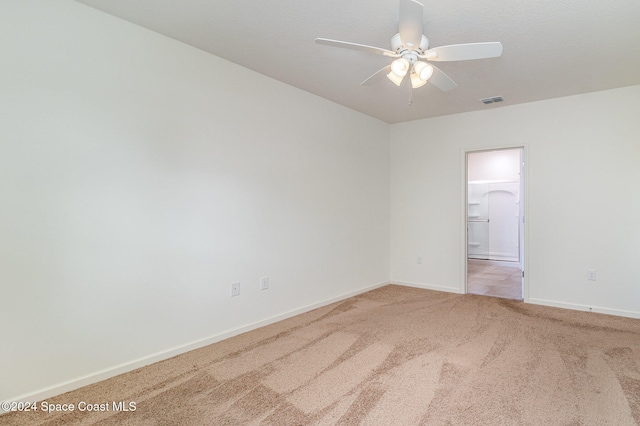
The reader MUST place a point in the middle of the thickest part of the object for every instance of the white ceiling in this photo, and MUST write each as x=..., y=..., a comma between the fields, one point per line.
x=552, y=48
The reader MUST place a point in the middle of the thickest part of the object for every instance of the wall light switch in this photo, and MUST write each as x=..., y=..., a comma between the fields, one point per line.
x=419, y=260
x=591, y=274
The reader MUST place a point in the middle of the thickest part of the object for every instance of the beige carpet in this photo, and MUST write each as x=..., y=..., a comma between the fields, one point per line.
x=392, y=356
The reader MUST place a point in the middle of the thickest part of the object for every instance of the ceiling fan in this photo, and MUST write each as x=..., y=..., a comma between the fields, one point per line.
x=412, y=54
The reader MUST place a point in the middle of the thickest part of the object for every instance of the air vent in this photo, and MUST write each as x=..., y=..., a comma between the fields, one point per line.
x=488, y=101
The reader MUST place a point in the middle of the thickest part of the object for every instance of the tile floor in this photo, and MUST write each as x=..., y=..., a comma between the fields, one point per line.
x=491, y=279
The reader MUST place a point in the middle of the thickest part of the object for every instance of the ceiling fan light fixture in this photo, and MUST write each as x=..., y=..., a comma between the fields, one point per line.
x=416, y=81
x=400, y=67
x=423, y=70
x=396, y=79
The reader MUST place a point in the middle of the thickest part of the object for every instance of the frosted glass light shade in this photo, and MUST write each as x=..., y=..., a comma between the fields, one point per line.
x=423, y=70
x=416, y=81
x=395, y=78
x=400, y=67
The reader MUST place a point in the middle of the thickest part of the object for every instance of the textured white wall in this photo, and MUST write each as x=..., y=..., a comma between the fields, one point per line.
x=582, y=155
x=141, y=177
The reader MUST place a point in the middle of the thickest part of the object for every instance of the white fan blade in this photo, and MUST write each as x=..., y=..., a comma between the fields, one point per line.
x=377, y=76
x=355, y=46
x=441, y=80
x=410, y=23
x=464, y=52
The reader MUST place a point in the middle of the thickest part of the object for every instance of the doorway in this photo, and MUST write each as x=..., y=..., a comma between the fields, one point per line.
x=494, y=223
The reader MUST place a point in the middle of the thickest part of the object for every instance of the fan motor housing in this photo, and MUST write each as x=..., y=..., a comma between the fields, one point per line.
x=399, y=48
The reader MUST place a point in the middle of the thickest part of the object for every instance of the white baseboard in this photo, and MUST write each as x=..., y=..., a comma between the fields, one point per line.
x=125, y=367
x=586, y=308
x=429, y=286
x=552, y=303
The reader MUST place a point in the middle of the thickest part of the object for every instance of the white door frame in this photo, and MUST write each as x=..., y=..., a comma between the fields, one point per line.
x=523, y=209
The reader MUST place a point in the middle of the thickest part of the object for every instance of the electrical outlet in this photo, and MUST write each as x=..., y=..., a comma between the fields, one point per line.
x=419, y=260
x=591, y=274
x=264, y=283
x=235, y=289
